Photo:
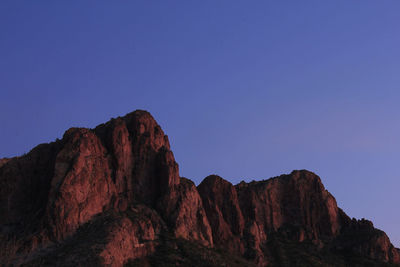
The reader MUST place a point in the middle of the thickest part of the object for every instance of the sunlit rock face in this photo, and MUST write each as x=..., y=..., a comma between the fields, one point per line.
x=242, y=216
x=113, y=194
x=221, y=203
x=297, y=207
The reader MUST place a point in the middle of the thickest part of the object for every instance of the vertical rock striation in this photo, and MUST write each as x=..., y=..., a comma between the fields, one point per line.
x=107, y=195
x=297, y=206
x=58, y=187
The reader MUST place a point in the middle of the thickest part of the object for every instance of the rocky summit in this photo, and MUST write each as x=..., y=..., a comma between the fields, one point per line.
x=112, y=196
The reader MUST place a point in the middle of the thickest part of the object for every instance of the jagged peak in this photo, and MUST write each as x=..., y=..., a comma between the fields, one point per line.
x=63, y=186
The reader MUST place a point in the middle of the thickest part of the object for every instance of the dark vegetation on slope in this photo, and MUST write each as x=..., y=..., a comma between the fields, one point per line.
x=113, y=196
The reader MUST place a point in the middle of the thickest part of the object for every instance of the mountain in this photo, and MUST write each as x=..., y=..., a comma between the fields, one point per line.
x=113, y=196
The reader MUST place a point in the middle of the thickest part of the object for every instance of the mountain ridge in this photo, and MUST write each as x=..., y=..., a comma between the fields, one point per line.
x=112, y=196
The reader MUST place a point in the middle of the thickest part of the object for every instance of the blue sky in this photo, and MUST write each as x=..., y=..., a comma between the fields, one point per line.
x=246, y=90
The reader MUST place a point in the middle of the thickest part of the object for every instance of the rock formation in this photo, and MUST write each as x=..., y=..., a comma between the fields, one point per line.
x=113, y=196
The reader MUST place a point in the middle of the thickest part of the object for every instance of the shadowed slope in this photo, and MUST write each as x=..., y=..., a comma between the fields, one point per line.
x=113, y=194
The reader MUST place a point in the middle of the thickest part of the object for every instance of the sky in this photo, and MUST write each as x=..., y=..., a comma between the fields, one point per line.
x=244, y=89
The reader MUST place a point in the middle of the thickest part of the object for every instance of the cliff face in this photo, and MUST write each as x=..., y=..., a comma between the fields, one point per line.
x=112, y=194
x=297, y=208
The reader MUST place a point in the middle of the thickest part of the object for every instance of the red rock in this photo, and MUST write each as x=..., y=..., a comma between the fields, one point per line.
x=182, y=207
x=297, y=203
x=129, y=238
x=109, y=239
x=297, y=199
x=137, y=150
x=104, y=196
x=24, y=187
x=81, y=185
x=221, y=204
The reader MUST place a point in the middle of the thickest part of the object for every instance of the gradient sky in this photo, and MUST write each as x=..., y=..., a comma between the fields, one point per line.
x=244, y=89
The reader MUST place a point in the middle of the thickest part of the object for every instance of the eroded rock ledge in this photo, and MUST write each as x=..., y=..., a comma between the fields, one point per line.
x=109, y=195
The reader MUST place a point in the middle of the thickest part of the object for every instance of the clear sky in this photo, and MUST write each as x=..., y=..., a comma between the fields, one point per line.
x=244, y=89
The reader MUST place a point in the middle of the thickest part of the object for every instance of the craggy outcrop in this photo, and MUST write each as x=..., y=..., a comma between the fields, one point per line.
x=113, y=194
x=295, y=206
x=25, y=183
x=56, y=188
x=221, y=204
x=81, y=186
x=298, y=200
x=142, y=165
x=244, y=215
x=109, y=239
x=360, y=237
x=184, y=211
